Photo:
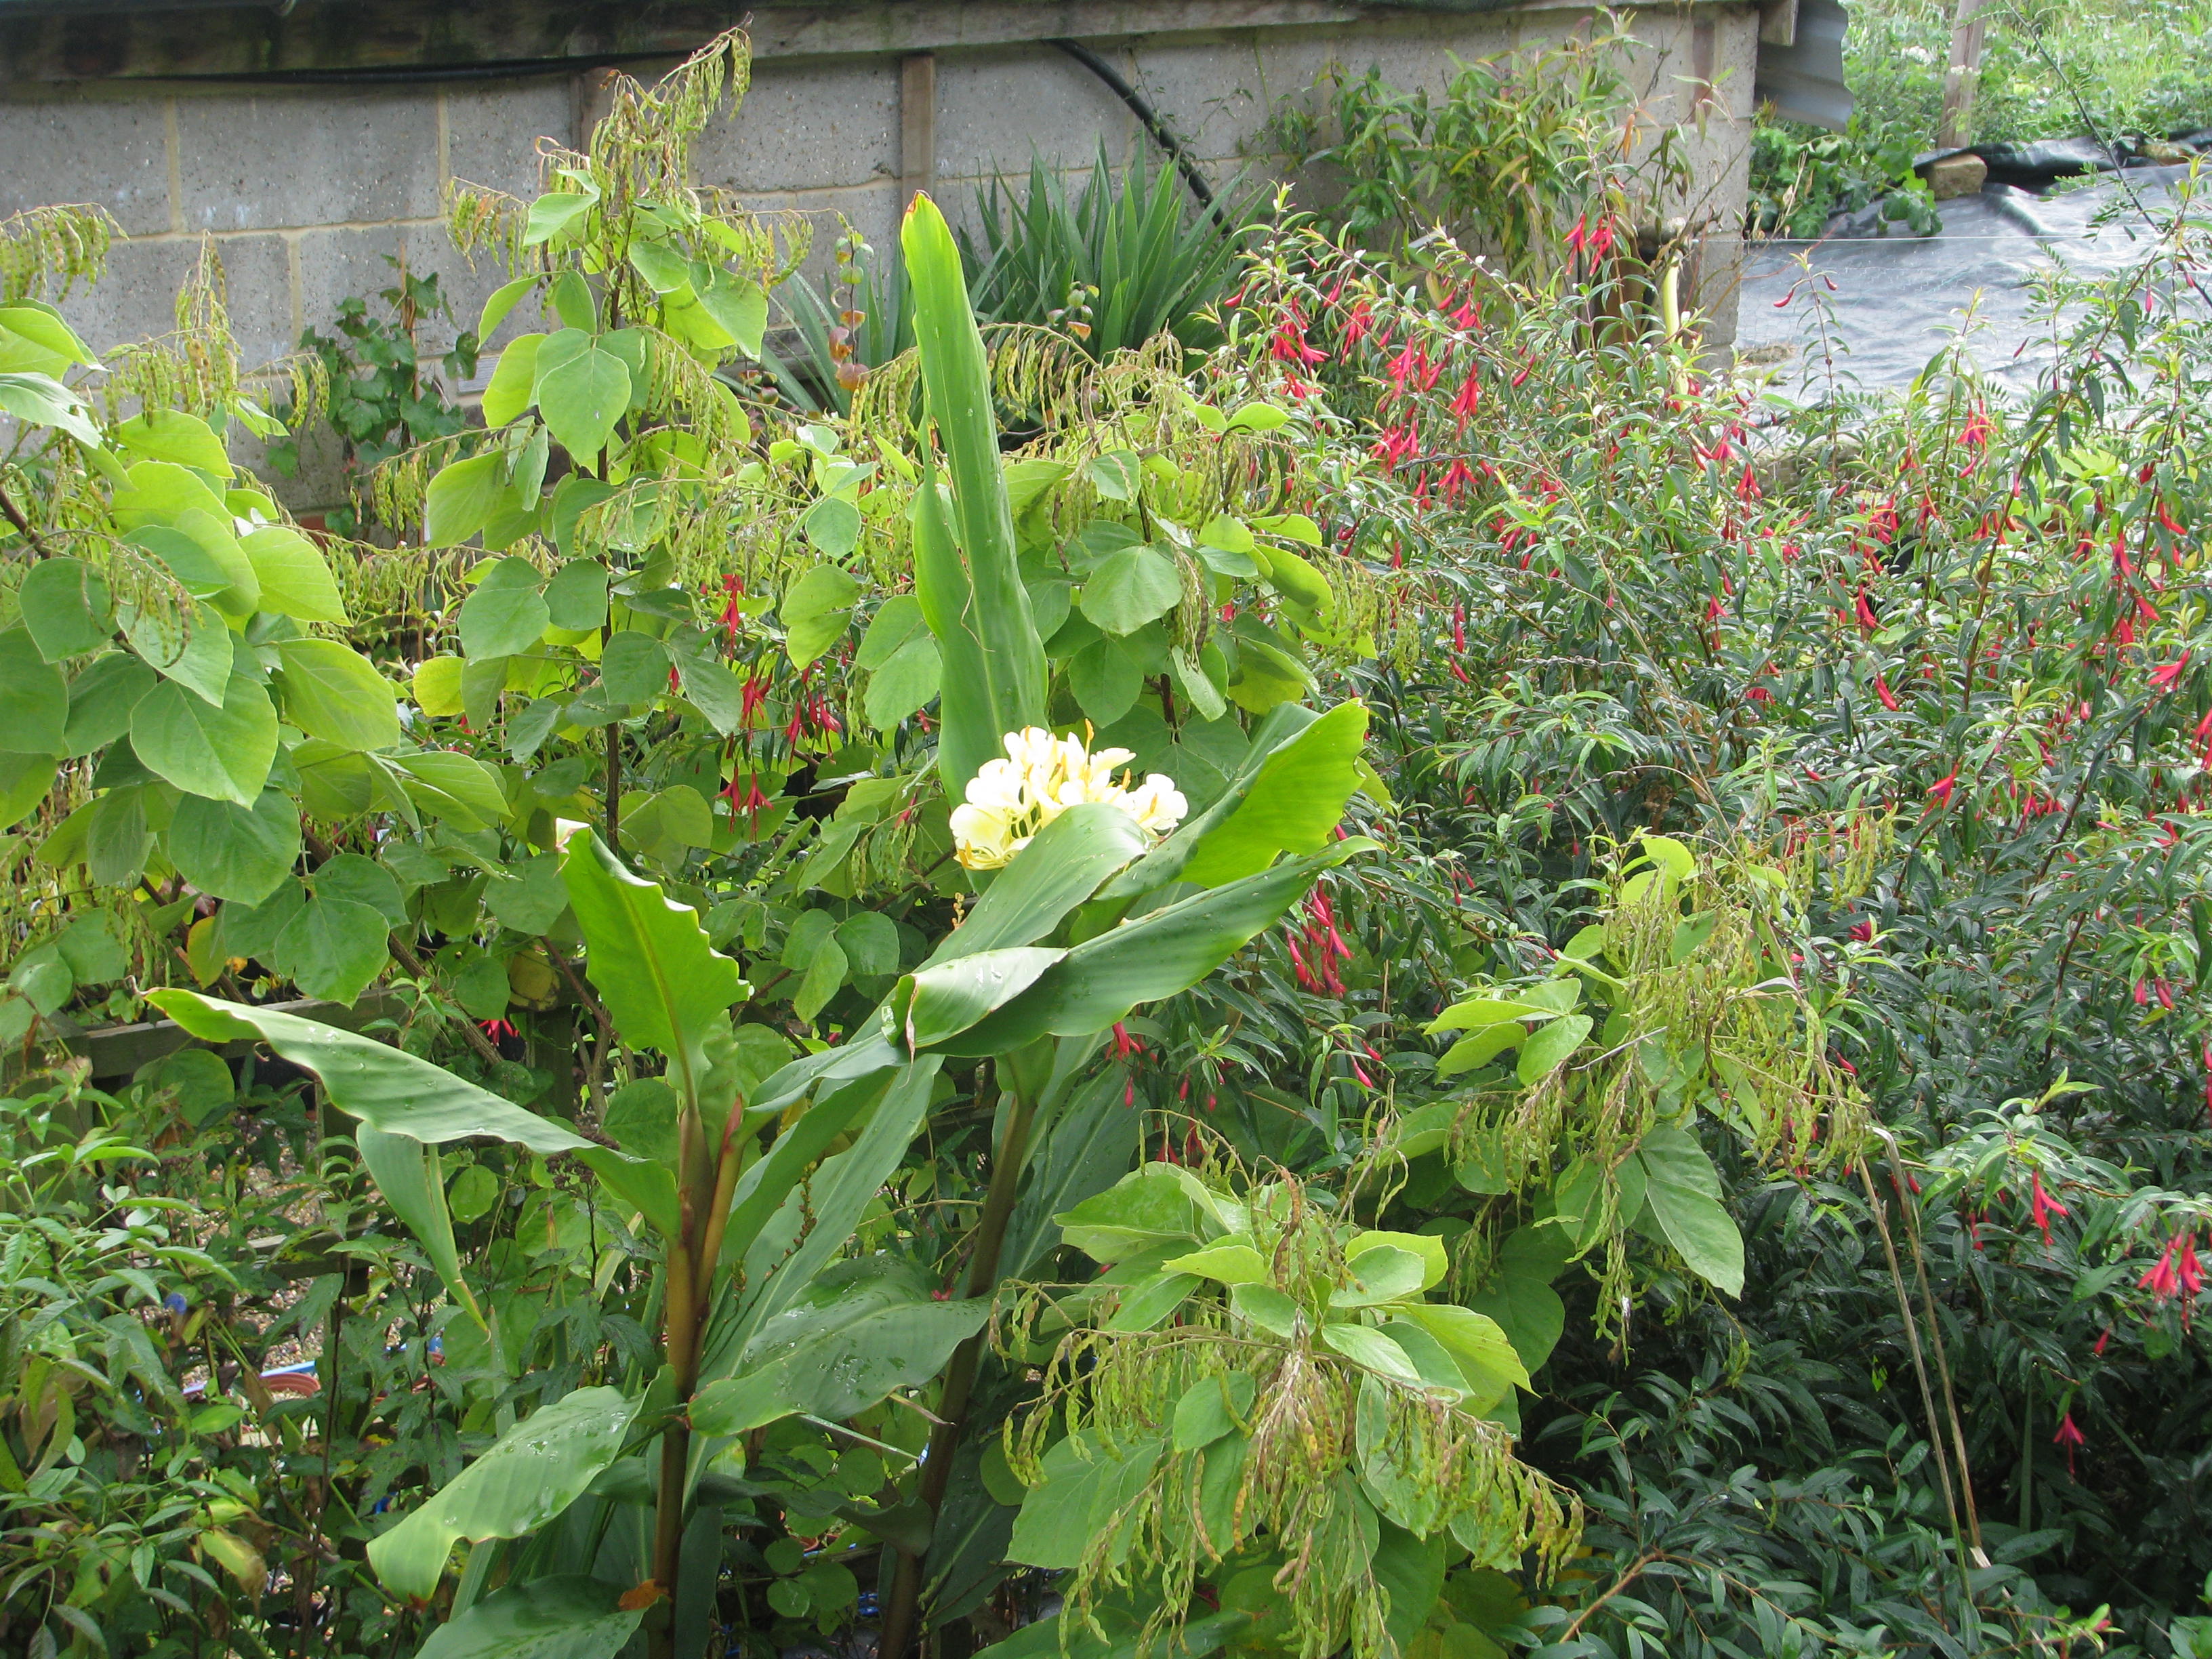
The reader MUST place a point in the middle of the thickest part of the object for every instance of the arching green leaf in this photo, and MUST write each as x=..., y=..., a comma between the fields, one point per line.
x=666, y=986
x=383, y=1087
x=533, y=1473
x=566, y=1618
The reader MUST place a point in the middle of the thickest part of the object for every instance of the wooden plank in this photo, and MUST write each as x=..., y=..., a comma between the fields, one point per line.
x=917, y=125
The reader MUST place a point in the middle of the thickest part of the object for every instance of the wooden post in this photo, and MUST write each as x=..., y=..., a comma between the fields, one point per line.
x=917, y=125
x=1959, y=80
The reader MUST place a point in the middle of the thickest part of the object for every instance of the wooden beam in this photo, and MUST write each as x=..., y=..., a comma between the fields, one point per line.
x=1962, y=76
x=917, y=125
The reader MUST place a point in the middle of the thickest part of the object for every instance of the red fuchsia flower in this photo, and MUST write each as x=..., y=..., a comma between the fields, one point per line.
x=1397, y=443
x=1124, y=1044
x=1357, y=322
x=1468, y=397
x=747, y=799
x=1457, y=478
x=1976, y=432
x=2165, y=674
x=2177, y=1272
x=1408, y=365
x=496, y=1029
x=1315, y=965
x=1940, y=794
x=2043, y=1206
x=2070, y=1437
x=1868, y=620
x=1595, y=239
x=2103, y=1337
x=750, y=700
x=1862, y=930
x=1881, y=690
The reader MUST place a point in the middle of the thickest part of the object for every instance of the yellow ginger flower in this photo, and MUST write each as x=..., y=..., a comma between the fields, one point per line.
x=1010, y=800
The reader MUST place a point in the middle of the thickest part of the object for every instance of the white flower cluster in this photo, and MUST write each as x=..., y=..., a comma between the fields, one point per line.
x=1010, y=799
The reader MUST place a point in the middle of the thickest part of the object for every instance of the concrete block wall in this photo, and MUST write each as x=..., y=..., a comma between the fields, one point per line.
x=308, y=191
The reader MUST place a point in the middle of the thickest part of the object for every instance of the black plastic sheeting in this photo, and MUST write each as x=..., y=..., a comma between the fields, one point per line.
x=1887, y=304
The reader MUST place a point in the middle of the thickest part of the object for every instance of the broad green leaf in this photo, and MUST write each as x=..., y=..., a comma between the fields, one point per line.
x=1067, y=861
x=1294, y=803
x=1105, y=680
x=553, y=213
x=1147, y=1303
x=1211, y=1408
x=967, y=579
x=514, y=378
x=364, y=880
x=1232, y=1264
x=1098, y=981
x=668, y=989
x=741, y=310
x=505, y=616
x=95, y=956
x=42, y=341
x=813, y=1223
x=459, y=500
x=384, y=1087
x=192, y=649
x=1391, y=1465
x=116, y=842
x=33, y=698
x=633, y=668
x=904, y=683
x=459, y=788
x=295, y=579
x=832, y=525
x=533, y=901
x=1128, y=589
x=1683, y=1195
x=1385, y=1273
x=1092, y=1144
x=642, y=1117
x=533, y=1473
x=101, y=698
x=1125, y=1636
x=1545, y=1052
x=410, y=1177
x=862, y=1331
x=331, y=692
x=942, y=1000
x=565, y=1618
x=66, y=607
x=1085, y=1483
x=41, y=400
x=222, y=753
x=1475, y=1341
x=235, y=851
x=1410, y=1570
x=576, y=597
x=1436, y=1260
x=503, y=300
x=583, y=397
x=1370, y=1350
x=1480, y=1013
x=170, y=434
x=1150, y=1207
x=334, y=948
x=897, y=620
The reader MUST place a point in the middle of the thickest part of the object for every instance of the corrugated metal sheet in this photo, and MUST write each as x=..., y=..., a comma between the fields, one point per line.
x=1804, y=80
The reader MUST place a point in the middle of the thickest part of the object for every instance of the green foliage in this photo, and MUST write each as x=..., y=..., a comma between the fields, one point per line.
x=1122, y=263
x=378, y=401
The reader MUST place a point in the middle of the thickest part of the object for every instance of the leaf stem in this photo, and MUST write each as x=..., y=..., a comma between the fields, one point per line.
x=899, y=1613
